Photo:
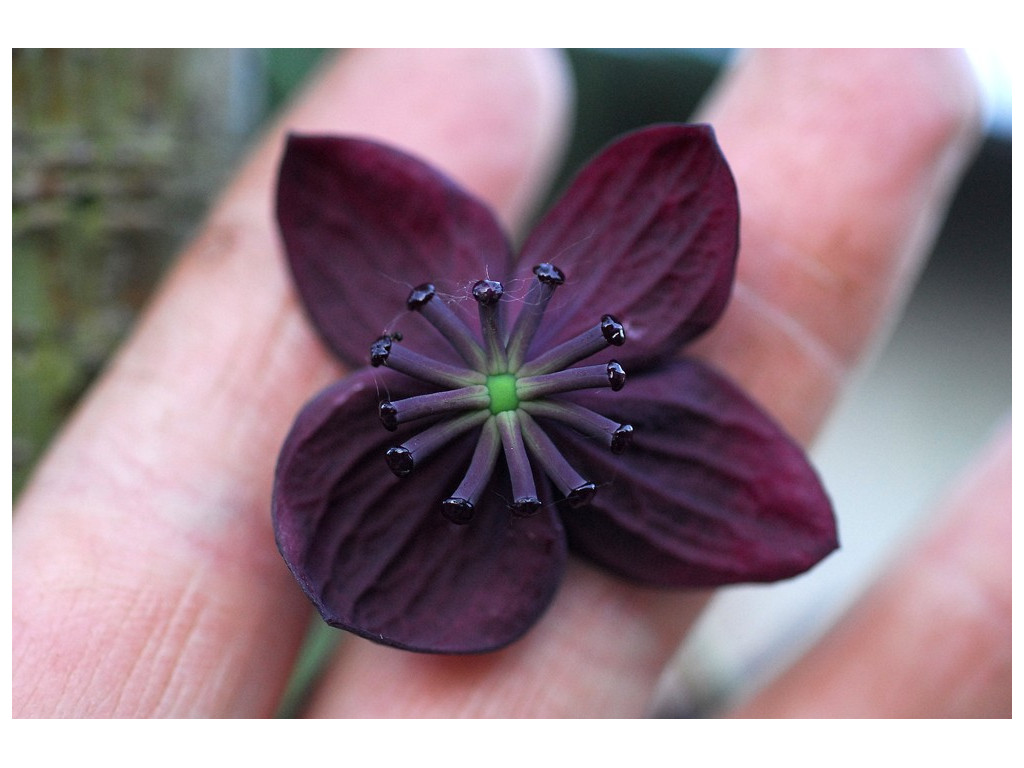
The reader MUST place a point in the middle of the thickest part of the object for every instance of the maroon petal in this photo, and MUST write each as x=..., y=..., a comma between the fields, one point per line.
x=711, y=492
x=363, y=224
x=647, y=232
x=373, y=551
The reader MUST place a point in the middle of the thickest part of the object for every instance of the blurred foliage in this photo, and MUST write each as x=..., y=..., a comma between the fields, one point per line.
x=286, y=70
x=118, y=153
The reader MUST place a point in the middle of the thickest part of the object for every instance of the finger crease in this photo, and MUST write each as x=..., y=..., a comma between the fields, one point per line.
x=827, y=359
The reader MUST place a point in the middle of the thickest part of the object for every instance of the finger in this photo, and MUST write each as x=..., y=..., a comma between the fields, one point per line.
x=146, y=579
x=807, y=306
x=844, y=161
x=932, y=637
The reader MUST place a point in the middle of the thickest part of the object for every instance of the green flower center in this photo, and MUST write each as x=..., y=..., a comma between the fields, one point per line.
x=498, y=391
x=502, y=389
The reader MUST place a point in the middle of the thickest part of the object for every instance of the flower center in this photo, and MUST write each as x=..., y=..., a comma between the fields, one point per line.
x=502, y=389
x=504, y=393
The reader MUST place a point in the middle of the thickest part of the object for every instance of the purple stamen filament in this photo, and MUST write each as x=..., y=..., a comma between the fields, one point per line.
x=500, y=391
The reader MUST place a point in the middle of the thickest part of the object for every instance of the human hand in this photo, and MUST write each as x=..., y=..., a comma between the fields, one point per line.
x=146, y=579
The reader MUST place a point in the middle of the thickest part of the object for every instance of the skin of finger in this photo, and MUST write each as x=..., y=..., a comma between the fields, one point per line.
x=832, y=234
x=146, y=578
x=844, y=173
x=932, y=638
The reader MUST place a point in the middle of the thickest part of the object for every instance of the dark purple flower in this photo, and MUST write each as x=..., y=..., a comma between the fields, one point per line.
x=514, y=437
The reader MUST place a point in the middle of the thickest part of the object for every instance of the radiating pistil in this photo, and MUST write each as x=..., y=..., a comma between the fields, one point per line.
x=500, y=391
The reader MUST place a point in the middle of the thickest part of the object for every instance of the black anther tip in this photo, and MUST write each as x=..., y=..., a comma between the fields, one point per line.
x=622, y=438
x=389, y=415
x=549, y=274
x=399, y=460
x=487, y=292
x=616, y=376
x=419, y=296
x=380, y=350
x=525, y=507
x=613, y=331
x=582, y=495
x=456, y=510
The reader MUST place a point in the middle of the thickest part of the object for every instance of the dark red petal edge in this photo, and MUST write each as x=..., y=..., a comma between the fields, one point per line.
x=364, y=223
x=374, y=553
x=711, y=492
x=647, y=232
